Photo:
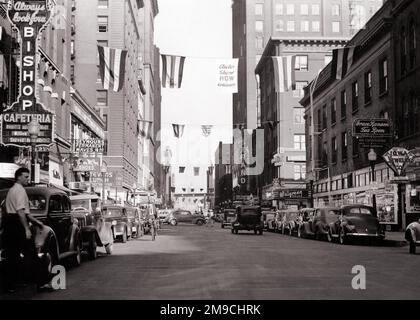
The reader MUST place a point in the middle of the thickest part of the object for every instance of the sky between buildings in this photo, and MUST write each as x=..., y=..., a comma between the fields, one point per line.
x=200, y=30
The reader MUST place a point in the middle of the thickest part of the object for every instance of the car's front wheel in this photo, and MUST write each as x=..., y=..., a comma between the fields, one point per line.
x=124, y=237
x=329, y=236
x=200, y=222
x=92, y=247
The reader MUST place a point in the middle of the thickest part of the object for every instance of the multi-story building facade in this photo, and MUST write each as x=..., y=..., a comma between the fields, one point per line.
x=119, y=25
x=282, y=118
x=406, y=35
x=256, y=21
x=337, y=159
x=53, y=89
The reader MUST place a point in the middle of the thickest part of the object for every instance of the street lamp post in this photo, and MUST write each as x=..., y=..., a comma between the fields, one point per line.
x=34, y=129
x=372, y=159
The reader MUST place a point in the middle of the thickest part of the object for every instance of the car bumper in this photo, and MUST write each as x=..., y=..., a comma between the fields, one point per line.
x=368, y=235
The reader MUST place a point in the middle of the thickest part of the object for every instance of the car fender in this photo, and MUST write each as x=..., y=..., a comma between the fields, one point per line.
x=44, y=239
x=75, y=237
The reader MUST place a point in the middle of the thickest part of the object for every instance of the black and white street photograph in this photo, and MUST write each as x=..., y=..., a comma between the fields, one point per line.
x=222, y=154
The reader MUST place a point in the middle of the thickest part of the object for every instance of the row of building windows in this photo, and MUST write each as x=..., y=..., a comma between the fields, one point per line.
x=368, y=84
x=191, y=190
x=305, y=26
x=408, y=46
x=196, y=170
x=305, y=9
x=360, y=180
x=409, y=120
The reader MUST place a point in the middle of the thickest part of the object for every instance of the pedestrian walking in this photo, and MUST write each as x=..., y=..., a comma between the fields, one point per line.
x=17, y=236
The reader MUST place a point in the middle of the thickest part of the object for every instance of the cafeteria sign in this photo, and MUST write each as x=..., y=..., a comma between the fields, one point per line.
x=29, y=18
x=398, y=159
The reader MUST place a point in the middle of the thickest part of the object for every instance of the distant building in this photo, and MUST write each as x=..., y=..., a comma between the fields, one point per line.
x=190, y=187
x=311, y=23
x=223, y=174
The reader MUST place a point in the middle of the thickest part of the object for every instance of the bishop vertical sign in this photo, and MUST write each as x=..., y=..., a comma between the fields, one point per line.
x=29, y=18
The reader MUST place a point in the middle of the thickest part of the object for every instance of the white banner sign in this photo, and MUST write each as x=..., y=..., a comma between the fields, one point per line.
x=227, y=75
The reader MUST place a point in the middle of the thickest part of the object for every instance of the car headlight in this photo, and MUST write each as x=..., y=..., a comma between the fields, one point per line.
x=114, y=222
x=351, y=227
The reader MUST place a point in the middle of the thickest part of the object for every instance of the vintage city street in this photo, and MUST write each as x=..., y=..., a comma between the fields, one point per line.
x=202, y=262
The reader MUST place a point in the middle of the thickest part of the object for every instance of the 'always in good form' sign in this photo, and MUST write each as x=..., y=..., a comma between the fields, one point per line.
x=29, y=18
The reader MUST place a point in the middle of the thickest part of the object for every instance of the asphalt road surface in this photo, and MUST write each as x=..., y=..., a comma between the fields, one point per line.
x=203, y=262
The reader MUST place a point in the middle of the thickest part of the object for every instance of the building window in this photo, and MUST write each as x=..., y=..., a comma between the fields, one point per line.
x=324, y=117
x=299, y=171
x=192, y=190
x=304, y=26
x=298, y=114
x=196, y=171
x=299, y=141
x=279, y=25
x=355, y=96
x=290, y=26
x=344, y=146
x=368, y=86
x=290, y=9
x=279, y=9
x=412, y=35
x=102, y=4
x=102, y=98
x=334, y=149
x=102, y=24
x=324, y=154
x=343, y=100
x=105, y=118
x=259, y=26
x=335, y=9
x=327, y=59
x=299, y=92
x=383, y=75
x=333, y=111
x=301, y=63
x=304, y=9
x=315, y=26
x=403, y=49
x=260, y=43
x=181, y=169
x=335, y=26
x=315, y=9
x=259, y=9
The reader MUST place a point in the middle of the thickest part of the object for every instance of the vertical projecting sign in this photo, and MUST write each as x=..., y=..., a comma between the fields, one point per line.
x=29, y=18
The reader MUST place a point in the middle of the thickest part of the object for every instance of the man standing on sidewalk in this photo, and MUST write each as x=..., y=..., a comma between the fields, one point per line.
x=17, y=236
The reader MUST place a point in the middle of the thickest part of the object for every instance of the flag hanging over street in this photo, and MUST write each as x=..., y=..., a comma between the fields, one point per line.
x=178, y=130
x=172, y=70
x=284, y=73
x=206, y=130
x=112, y=67
x=342, y=61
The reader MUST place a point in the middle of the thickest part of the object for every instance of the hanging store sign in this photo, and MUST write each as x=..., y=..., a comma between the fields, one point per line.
x=293, y=194
x=88, y=146
x=29, y=18
x=398, y=159
x=372, y=128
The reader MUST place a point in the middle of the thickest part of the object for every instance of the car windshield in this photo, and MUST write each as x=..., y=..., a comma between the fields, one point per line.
x=361, y=210
x=80, y=203
x=111, y=212
x=37, y=202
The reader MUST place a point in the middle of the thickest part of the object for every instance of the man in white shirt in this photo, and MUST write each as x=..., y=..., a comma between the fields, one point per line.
x=17, y=236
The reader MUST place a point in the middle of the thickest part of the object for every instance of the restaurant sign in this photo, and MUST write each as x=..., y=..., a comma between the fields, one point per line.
x=398, y=159
x=372, y=128
x=293, y=194
x=29, y=18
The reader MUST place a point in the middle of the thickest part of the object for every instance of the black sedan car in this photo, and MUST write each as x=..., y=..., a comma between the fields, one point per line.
x=356, y=221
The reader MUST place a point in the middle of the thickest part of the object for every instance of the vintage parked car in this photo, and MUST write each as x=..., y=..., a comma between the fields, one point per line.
x=133, y=217
x=305, y=214
x=186, y=216
x=269, y=219
x=61, y=240
x=355, y=221
x=117, y=216
x=228, y=217
x=412, y=235
x=318, y=226
x=248, y=218
x=288, y=222
x=95, y=231
x=163, y=215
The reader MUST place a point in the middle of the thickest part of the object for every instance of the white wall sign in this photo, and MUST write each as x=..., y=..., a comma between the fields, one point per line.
x=227, y=75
